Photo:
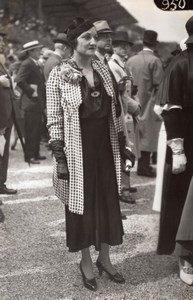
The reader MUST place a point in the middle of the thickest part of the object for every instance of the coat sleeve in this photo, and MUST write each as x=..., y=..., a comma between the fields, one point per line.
x=22, y=77
x=55, y=119
x=157, y=73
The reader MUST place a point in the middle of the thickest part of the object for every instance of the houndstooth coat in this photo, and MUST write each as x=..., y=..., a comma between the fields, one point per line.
x=63, y=101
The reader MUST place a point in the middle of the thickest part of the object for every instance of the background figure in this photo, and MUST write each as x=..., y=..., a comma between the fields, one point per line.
x=31, y=82
x=44, y=55
x=19, y=114
x=176, y=222
x=6, y=120
x=124, y=80
x=84, y=130
x=147, y=73
x=62, y=50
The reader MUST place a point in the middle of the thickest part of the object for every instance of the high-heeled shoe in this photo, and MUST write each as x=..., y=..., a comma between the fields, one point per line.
x=88, y=283
x=117, y=277
x=186, y=271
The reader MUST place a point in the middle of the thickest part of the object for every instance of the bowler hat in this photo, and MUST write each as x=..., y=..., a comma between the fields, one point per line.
x=61, y=38
x=150, y=37
x=189, y=29
x=121, y=37
x=30, y=46
x=102, y=26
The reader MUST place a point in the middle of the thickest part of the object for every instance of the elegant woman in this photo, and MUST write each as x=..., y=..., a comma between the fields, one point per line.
x=84, y=135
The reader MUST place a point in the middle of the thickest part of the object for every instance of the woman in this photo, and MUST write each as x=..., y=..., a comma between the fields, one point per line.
x=84, y=130
x=176, y=222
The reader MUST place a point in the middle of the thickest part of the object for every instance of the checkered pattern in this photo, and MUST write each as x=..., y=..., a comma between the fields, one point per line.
x=63, y=101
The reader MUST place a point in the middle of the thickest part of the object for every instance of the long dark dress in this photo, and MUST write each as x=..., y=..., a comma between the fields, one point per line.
x=101, y=221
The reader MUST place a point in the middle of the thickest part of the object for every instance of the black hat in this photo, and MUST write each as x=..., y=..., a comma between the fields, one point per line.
x=189, y=29
x=121, y=37
x=102, y=26
x=150, y=37
x=61, y=38
x=77, y=27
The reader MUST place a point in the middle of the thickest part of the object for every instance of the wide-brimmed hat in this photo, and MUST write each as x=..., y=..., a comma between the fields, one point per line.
x=61, y=38
x=121, y=37
x=102, y=26
x=150, y=37
x=30, y=46
x=189, y=29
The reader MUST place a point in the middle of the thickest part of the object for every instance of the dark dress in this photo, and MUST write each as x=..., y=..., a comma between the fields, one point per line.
x=101, y=221
x=176, y=221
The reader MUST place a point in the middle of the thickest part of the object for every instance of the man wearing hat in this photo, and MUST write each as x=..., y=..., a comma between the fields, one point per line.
x=31, y=82
x=6, y=119
x=104, y=42
x=147, y=73
x=62, y=51
x=121, y=47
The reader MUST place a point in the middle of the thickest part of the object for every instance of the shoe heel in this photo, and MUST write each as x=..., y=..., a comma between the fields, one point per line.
x=88, y=283
x=100, y=268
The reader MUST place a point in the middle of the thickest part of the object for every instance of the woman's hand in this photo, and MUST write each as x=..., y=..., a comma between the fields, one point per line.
x=179, y=163
x=62, y=170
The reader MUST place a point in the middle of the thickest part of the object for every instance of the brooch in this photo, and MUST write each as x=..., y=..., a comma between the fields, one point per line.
x=95, y=94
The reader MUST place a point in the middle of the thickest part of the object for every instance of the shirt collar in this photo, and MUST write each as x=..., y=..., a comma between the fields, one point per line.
x=56, y=53
x=34, y=60
x=147, y=49
x=119, y=60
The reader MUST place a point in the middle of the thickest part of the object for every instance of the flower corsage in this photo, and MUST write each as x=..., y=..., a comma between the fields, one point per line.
x=70, y=74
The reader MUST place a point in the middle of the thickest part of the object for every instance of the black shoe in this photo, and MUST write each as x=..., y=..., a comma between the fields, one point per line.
x=32, y=161
x=39, y=157
x=127, y=199
x=88, y=283
x=5, y=190
x=117, y=277
x=132, y=189
x=149, y=172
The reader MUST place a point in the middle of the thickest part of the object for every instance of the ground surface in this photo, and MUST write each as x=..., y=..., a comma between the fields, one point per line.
x=35, y=263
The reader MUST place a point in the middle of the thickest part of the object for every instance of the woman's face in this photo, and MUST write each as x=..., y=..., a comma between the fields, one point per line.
x=86, y=42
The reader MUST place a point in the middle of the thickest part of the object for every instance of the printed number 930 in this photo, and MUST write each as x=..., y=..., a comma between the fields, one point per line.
x=173, y=4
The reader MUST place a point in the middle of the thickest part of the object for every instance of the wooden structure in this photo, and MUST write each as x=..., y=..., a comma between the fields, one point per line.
x=61, y=12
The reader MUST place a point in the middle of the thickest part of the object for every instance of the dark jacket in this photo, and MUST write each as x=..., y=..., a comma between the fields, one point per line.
x=6, y=102
x=30, y=74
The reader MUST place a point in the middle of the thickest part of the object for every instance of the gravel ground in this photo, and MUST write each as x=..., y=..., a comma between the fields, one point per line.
x=35, y=263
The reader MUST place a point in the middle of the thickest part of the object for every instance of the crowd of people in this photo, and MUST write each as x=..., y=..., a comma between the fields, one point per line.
x=84, y=98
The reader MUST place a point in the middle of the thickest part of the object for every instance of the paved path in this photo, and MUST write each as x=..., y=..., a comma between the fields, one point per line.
x=35, y=263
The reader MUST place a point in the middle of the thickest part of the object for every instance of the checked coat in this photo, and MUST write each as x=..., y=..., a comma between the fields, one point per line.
x=63, y=102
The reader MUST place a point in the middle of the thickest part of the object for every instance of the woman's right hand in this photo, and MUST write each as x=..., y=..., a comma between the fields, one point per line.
x=62, y=170
x=179, y=163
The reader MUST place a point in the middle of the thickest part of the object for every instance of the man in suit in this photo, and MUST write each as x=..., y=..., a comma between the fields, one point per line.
x=30, y=80
x=147, y=73
x=6, y=120
x=62, y=51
